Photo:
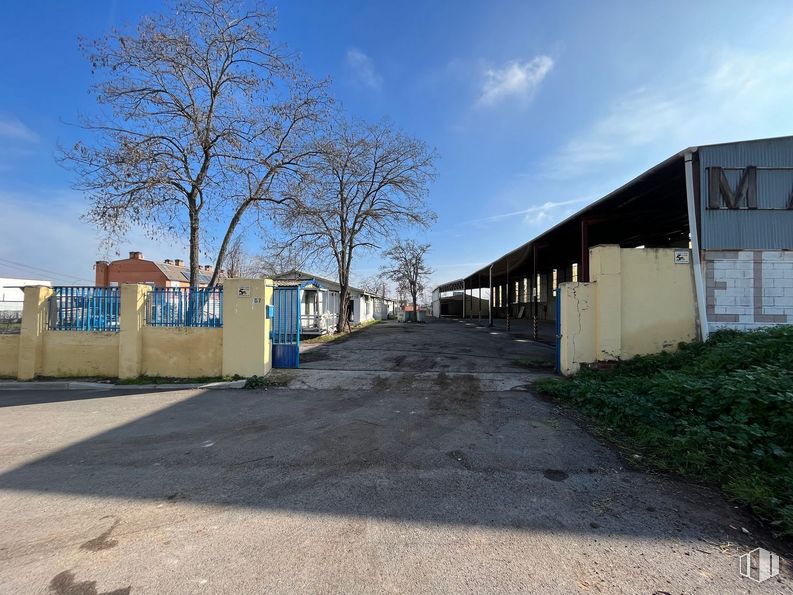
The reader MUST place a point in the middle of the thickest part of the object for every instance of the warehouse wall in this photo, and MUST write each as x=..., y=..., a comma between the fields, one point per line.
x=748, y=289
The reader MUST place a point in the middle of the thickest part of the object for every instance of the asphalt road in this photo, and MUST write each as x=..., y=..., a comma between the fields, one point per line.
x=410, y=458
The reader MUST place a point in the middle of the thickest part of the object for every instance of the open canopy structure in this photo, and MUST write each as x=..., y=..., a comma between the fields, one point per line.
x=650, y=210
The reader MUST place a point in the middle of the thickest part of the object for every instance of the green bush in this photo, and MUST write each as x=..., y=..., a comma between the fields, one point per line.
x=721, y=411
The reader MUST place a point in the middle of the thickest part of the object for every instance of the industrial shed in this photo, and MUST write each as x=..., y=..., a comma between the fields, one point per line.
x=721, y=213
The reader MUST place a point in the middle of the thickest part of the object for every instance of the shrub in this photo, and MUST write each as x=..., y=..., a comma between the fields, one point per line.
x=721, y=411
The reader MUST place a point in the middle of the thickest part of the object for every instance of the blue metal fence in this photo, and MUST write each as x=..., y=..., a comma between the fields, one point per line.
x=185, y=306
x=84, y=309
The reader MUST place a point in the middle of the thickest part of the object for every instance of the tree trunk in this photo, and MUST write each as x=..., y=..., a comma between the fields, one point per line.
x=415, y=308
x=344, y=292
x=194, y=252
x=226, y=240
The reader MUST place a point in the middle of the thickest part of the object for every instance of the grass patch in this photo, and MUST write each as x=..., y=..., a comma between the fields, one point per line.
x=721, y=411
x=528, y=362
x=331, y=337
x=265, y=382
x=169, y=380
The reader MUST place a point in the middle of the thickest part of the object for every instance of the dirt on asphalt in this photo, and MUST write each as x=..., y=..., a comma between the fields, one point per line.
x=409, y=458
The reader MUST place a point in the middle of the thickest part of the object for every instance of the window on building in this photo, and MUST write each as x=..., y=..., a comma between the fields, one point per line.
x=516, y=295
x=575, y=272
x=554, y=281
x=537, y=288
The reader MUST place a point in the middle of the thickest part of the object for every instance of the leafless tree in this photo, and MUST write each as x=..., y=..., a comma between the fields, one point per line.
x=406, y=266
x=375, y=284
x=237, y=262
x=202, y=118
x=365, y=183
x=276, y=261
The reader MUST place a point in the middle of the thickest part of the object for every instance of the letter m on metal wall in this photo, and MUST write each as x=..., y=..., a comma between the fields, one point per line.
x=719, y=189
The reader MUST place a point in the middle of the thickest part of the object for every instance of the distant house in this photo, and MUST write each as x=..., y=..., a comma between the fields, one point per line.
x=320, y=305
x=12, y=294
x=136, y=269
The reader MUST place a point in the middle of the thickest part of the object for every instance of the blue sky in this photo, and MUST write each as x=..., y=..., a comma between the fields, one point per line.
x=535, y=108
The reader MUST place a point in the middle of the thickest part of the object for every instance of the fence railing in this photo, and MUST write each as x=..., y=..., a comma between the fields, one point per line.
x=85, y=309
x=185, y=306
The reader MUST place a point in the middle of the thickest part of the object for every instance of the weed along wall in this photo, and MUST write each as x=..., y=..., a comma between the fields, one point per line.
x=123, y=332
x=639, y=301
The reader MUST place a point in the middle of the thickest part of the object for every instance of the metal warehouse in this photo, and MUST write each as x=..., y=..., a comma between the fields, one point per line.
x=713, y=226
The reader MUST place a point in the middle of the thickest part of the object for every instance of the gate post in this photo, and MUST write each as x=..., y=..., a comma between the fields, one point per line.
x=31, y=334
x=130, y=337
x=246, y=328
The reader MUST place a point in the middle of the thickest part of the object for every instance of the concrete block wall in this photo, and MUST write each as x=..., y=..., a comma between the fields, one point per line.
x=748, y=289
x=242, y=346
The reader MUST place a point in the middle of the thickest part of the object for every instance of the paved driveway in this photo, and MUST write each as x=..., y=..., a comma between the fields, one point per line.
x=412, y=460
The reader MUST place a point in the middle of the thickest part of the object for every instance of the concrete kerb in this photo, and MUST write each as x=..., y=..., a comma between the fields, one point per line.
x=79, y=385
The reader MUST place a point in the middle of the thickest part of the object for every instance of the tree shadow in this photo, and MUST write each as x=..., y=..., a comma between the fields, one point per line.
x=453, y=456
x=18, y=398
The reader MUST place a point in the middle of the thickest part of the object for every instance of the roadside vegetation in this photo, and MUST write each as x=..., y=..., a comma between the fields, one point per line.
x=173, y=380
x=339, y=336
x=720, y=411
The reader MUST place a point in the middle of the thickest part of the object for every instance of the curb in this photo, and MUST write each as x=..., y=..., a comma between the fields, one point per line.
x=78, y=385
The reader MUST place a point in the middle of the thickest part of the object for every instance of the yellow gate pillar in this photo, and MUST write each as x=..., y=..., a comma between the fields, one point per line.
x=605, y=270
x=130, y=337
x=246, y=328
x=31, y=334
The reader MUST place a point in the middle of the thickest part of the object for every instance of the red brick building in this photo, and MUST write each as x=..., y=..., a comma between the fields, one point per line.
x=136, y=269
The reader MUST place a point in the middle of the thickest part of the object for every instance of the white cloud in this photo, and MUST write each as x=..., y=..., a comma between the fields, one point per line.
x=15, y=130
x=363, y=70
x=533, y=214
x=515, y=79
x=738, y=96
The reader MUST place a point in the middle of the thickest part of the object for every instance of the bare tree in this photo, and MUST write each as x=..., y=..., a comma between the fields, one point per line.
x=236, y=262
x=406, y=266
x=365, y=183
x=276, y=261
x=203, y=118
x=373, y=284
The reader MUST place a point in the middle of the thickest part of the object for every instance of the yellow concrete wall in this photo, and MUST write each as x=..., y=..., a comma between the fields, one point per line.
x=182, y=352
x=639, y=301
x=578, y=325
x=658, y=302
x=73, y=353
x=9, y=355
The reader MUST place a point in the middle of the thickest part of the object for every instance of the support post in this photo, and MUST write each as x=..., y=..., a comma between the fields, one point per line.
x=479, y=282
x=535, y=294
x=509, y=299
x=699, y=284
x=463, y=299
x=584, y=251
x=130, y=336
x=490, y=301
x=31, y=334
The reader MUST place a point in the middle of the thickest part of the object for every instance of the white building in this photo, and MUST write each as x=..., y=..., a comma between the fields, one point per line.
x=320, y=305
x=12, y=294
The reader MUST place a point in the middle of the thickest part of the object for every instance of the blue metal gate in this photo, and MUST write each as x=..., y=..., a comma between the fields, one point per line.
x=286, y=324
